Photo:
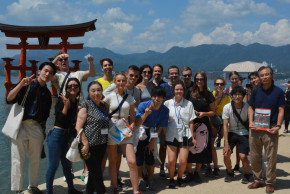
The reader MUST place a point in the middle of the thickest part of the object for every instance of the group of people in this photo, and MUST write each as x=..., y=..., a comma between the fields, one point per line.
x=184, y=115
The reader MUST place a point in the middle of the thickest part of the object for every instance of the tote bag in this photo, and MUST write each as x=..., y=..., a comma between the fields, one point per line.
x=14, y=119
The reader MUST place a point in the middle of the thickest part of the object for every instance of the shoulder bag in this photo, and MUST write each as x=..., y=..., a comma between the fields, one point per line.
x=73, y=154
x=244, y=123
x=14, y=119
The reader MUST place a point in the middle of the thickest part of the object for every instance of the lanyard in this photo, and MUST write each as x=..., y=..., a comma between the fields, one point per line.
x=153, y=120
x=177, y=115
x=65, y=75
x=103, y=116
x=118, y=105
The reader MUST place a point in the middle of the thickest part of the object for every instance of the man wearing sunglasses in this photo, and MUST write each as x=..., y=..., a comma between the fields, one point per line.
x=61, y=61
x=186, y=75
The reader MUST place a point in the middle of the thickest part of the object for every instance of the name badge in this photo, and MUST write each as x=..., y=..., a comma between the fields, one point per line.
x=154, y=135
x=179, y=126
x=104, y=131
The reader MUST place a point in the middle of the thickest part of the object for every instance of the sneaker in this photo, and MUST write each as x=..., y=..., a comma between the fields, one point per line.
x=34, y=190
x=215, y=172
x=171, y=184
x=208, y=172
x=180, y=182
x=74, y=191
x=151, y=185
x=188, y=178
x=162, y=173
x=236, y=168
x=142, y=185
x=229, y=177
x=285, y=131
x=203, y=167
x=196, y=178
x=19, y=192
x=121, y=185
x=246, y=179
x=86, y=177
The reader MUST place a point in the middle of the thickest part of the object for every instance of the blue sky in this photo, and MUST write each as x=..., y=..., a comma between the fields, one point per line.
x=133, y=26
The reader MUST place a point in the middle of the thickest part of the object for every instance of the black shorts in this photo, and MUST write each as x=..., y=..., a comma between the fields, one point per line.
x=242, y=140
x=177, y=144
x=143, y=154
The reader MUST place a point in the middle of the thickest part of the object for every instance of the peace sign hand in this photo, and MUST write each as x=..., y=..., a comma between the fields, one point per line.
x=148, y=110
x=64, y=100
x=27, y=80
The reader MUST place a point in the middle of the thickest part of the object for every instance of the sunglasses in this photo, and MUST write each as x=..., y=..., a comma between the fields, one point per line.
x=199, y=79
x=237, y=95
x=73, y=86
x=219, y=84
x=65, y=59
x=132, y=75
x=187, y=75
x=146, y=72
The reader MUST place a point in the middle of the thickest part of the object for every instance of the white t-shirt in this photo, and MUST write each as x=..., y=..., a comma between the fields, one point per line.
x=134, y=92
x=235, y=126
x=114, y=99
x=59, y=77
x=185, y=112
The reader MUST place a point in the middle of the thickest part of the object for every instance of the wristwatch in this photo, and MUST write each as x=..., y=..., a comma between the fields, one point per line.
x=278, y=126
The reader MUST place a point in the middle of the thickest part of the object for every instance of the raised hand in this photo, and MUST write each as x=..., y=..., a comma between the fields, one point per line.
x=65, y=100
x=90, y=59
x=27, y=80
x=62, y=56
x=148, y=110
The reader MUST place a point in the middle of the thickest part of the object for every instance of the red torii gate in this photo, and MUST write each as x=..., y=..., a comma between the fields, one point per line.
x=43, y=33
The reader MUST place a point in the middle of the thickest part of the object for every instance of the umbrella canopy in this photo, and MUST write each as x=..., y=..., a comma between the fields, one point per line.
x=246, y=66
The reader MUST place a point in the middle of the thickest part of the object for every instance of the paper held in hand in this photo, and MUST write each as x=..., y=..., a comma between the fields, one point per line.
x=262, y=118
x=118, y=129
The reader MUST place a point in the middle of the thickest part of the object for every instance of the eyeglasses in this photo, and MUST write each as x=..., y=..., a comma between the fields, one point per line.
x=73, y=86
x=187, y=75
x=199, y=79
x=65, y=59
x=132, y=75
x=219, y=84
x=146, y=72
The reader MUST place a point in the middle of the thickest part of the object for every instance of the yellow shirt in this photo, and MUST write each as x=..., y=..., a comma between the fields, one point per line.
x=105, y=84
x=220, y=106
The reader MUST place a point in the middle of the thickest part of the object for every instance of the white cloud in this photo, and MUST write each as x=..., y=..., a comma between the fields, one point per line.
x=211, y=13
x=122, y=27
x=276, y=35
x=47, y=12
x=151, y=12
x=116, y=14
x=105, y=2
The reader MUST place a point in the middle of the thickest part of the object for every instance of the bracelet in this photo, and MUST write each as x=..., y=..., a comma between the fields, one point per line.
x=278, y=126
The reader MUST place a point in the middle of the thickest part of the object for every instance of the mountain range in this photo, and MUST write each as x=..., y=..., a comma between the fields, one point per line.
x=202, y=57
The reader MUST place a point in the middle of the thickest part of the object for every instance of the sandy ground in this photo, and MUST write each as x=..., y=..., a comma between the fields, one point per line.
x=209, y=185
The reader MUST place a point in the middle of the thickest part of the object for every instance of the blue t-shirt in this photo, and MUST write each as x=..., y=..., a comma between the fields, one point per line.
x=156, y=118
x=273, y=98
x=169, y=93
